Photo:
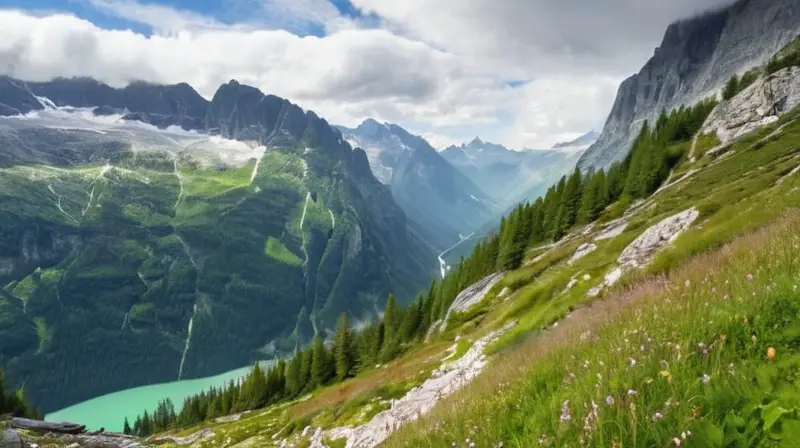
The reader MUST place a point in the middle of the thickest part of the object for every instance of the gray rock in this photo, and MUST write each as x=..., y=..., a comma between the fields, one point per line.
x=640, y=251
x=10, y=439
x=757, y=106
x=695, y=60
x=472, y=295
x=582, y=251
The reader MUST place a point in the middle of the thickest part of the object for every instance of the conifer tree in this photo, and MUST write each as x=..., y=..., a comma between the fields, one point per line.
x=342, y=349
x=126, y=428
x=392, y=318
x=320, y=365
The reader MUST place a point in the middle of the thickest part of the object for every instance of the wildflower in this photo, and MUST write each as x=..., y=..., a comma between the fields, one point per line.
x=664, y=365
x=749, y=277
x=676, y=441
x=632, y=393
x=726, y=297
x=657, y=416
x=565, y=414
x=731, y=370
x=591, y=419
x=543, y=439
x=631, y=362
x=771, y=353
x=688, y=283
x=643, y=348
x=610, y=400
x=648, y=380
x=706, y=378
x=686, y=434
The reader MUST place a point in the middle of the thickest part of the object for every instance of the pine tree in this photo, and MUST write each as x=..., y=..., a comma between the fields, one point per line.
x=392, y=318
x=571, y=198
x=319, y=362
x=731, y=88
x=146, y=427
x=126, y=428
x=412, y=320
x=342, y=349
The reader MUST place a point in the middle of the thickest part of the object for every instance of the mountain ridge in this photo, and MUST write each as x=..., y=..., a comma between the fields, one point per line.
x=695, y=59
x=441, y=201
x=135, y=231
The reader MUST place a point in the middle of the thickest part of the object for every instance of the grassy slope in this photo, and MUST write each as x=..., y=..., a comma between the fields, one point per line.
x=519, y=400
x=520, y=397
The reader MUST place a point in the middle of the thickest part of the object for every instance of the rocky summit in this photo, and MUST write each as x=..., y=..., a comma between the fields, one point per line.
x=695, y=59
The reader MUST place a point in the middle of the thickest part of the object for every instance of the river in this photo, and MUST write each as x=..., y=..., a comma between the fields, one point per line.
x=109, y=411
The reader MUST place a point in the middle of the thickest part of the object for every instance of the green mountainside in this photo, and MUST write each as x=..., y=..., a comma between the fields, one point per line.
x=130, y=259
x=653, y=304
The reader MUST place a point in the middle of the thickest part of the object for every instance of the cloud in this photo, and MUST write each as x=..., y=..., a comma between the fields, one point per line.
x=163, y=19
x=449, y=68
x=535, y=38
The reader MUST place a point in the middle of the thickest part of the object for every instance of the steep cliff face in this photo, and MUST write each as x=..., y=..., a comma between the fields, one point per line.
x=695, y=60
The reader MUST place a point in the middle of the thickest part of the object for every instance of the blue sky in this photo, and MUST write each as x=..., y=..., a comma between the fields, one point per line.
x=516, y=72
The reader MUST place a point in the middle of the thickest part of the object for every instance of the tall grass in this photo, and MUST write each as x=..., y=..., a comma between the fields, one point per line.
x=683, y=360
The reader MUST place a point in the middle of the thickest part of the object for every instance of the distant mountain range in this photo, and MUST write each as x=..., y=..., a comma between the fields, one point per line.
x=582, y=142
x=442, y=201
x=508, y=176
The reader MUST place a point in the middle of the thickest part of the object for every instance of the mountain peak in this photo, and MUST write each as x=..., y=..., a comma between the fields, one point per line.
x=476, y=141
x=584, y=140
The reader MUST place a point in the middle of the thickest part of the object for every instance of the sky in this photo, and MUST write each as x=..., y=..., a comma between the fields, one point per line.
x=523, y=73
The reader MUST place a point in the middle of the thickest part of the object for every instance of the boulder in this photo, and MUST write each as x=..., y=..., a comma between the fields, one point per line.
x=10, y=439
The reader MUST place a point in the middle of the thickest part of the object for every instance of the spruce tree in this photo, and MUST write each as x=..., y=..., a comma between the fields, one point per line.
x=126, y=428
x=392, y=318
x=342, y=349
x=319, y=362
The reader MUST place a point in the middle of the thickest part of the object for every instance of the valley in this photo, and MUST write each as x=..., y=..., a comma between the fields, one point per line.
x=228, y=269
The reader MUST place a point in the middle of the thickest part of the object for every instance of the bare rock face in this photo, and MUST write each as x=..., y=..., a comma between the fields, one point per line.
x=418, y=401
x=472, y=295
x=582, y=251
x=757, y=106
x=641, y=250
x=696, y=58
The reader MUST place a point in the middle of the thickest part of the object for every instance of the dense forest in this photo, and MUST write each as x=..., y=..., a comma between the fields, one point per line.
x=575, y=200
x=318, y=365
x=13, y=403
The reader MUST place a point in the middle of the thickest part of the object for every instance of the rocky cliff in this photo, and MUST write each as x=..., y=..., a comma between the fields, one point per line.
x=695, y=59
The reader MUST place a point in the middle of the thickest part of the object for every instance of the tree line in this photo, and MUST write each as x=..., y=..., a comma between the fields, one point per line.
x=321, y=364
x=577, y=199
x=13, y=402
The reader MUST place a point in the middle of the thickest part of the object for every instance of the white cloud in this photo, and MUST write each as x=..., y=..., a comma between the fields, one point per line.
x=436, y=67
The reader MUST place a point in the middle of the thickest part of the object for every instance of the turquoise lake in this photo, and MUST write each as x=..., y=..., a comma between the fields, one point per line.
x=109, y=411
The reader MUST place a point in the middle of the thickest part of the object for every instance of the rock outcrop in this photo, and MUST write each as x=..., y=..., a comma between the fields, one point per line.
x=695, y=59
x=757, y=106
x=472, y=295
x=582, y=251
x=444, y=381
x=643, y=248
